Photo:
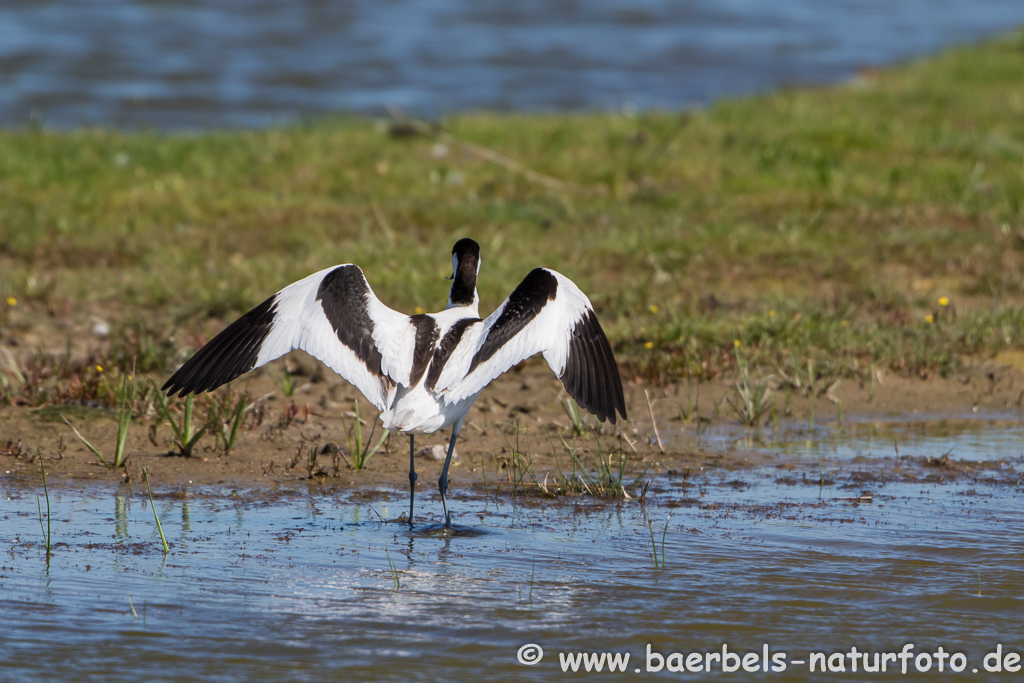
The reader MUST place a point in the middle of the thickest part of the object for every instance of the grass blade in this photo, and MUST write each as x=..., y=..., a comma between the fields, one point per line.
x=159, y=527
x=572, y=411
x=47, y=535
x=394, y=571
x=229, y=442
x=164, y=411
x=85, y=441
x=124, y=418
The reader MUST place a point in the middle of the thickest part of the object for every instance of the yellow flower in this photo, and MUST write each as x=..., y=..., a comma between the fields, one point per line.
x=737, y=343
x=99, y=368
x=11, y=301
x=648, y=345
x=943, y=300
x=418, y=310
x=653, y=309
x=929, y=318
x=771, y=314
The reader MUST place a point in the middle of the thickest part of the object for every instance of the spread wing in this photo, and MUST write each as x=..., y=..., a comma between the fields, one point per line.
x=547, y=313
x=333, y=315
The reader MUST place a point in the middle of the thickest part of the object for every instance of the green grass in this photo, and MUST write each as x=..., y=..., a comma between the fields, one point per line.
x=818, y=223
x=657, y=560
x=396, y=582
x=186, y=433
x=575, y=415
x=604, y=479
x=124, y=421
x=520, y=466
x=359, y=450
x=234, y=410
x=156, y=517
x=47, y=532
x=751, y=395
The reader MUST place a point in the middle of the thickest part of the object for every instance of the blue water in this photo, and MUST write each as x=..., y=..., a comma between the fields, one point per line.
x=299, y=583
x=199, y=64
x=990, y=436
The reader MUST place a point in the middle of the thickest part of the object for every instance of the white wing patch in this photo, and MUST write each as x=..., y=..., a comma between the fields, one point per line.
x=548, y=333
x=309, y=329
x=295, y=318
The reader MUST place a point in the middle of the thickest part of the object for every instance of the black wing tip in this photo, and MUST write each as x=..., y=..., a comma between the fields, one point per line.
x=605, y=411
x=610, y=417
x=178, y=386
x=173, y=385
x=231, y=353
x=173, y=388
x=591, y=375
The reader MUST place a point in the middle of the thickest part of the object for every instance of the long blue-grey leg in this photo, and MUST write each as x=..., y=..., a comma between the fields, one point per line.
x=412, y=475
x=442, y=483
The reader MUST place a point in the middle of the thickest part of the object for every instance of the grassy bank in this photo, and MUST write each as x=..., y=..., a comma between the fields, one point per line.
x=874, y=224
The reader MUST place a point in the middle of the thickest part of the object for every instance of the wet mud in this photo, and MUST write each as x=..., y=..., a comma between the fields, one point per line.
x=519, y=423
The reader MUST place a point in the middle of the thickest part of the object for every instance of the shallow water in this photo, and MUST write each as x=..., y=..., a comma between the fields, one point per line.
x=297, y=585
x=232, y=63
x=967, y=436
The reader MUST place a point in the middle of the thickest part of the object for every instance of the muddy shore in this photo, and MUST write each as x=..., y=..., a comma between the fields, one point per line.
x=277, y=436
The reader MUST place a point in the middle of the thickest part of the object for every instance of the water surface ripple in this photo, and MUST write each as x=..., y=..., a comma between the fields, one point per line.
x=259, y=62
x=297, y=585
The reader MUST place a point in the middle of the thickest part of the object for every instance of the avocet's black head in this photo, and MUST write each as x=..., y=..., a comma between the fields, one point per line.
x=465, y=266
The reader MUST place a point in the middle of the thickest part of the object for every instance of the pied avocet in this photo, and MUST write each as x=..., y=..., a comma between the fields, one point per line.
x=423, y=372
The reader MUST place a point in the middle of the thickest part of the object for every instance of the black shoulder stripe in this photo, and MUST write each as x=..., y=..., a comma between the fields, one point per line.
x=342, y=294
x=523, y=305
x=426, y=337
x=231, y=353
x=591, y=376
x=445, y=349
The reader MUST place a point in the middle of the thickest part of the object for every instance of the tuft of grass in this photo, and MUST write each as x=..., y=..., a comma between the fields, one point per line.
x=692, y=407
x=361, y=451
x=124, y=419
x=751, y=399
x=313, y=467
x=395, y=581
x=12, y=379
x=575, y=415
x=521, y=464
x=186, y=435
x=285, y=382
x=605, y=478
x=47, y=532
x=533, y=577
x=654, y=423
x=658, y=561
x=233, y=411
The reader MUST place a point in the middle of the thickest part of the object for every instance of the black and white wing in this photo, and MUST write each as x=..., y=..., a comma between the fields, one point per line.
x=333, y=315
x=547, y=313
